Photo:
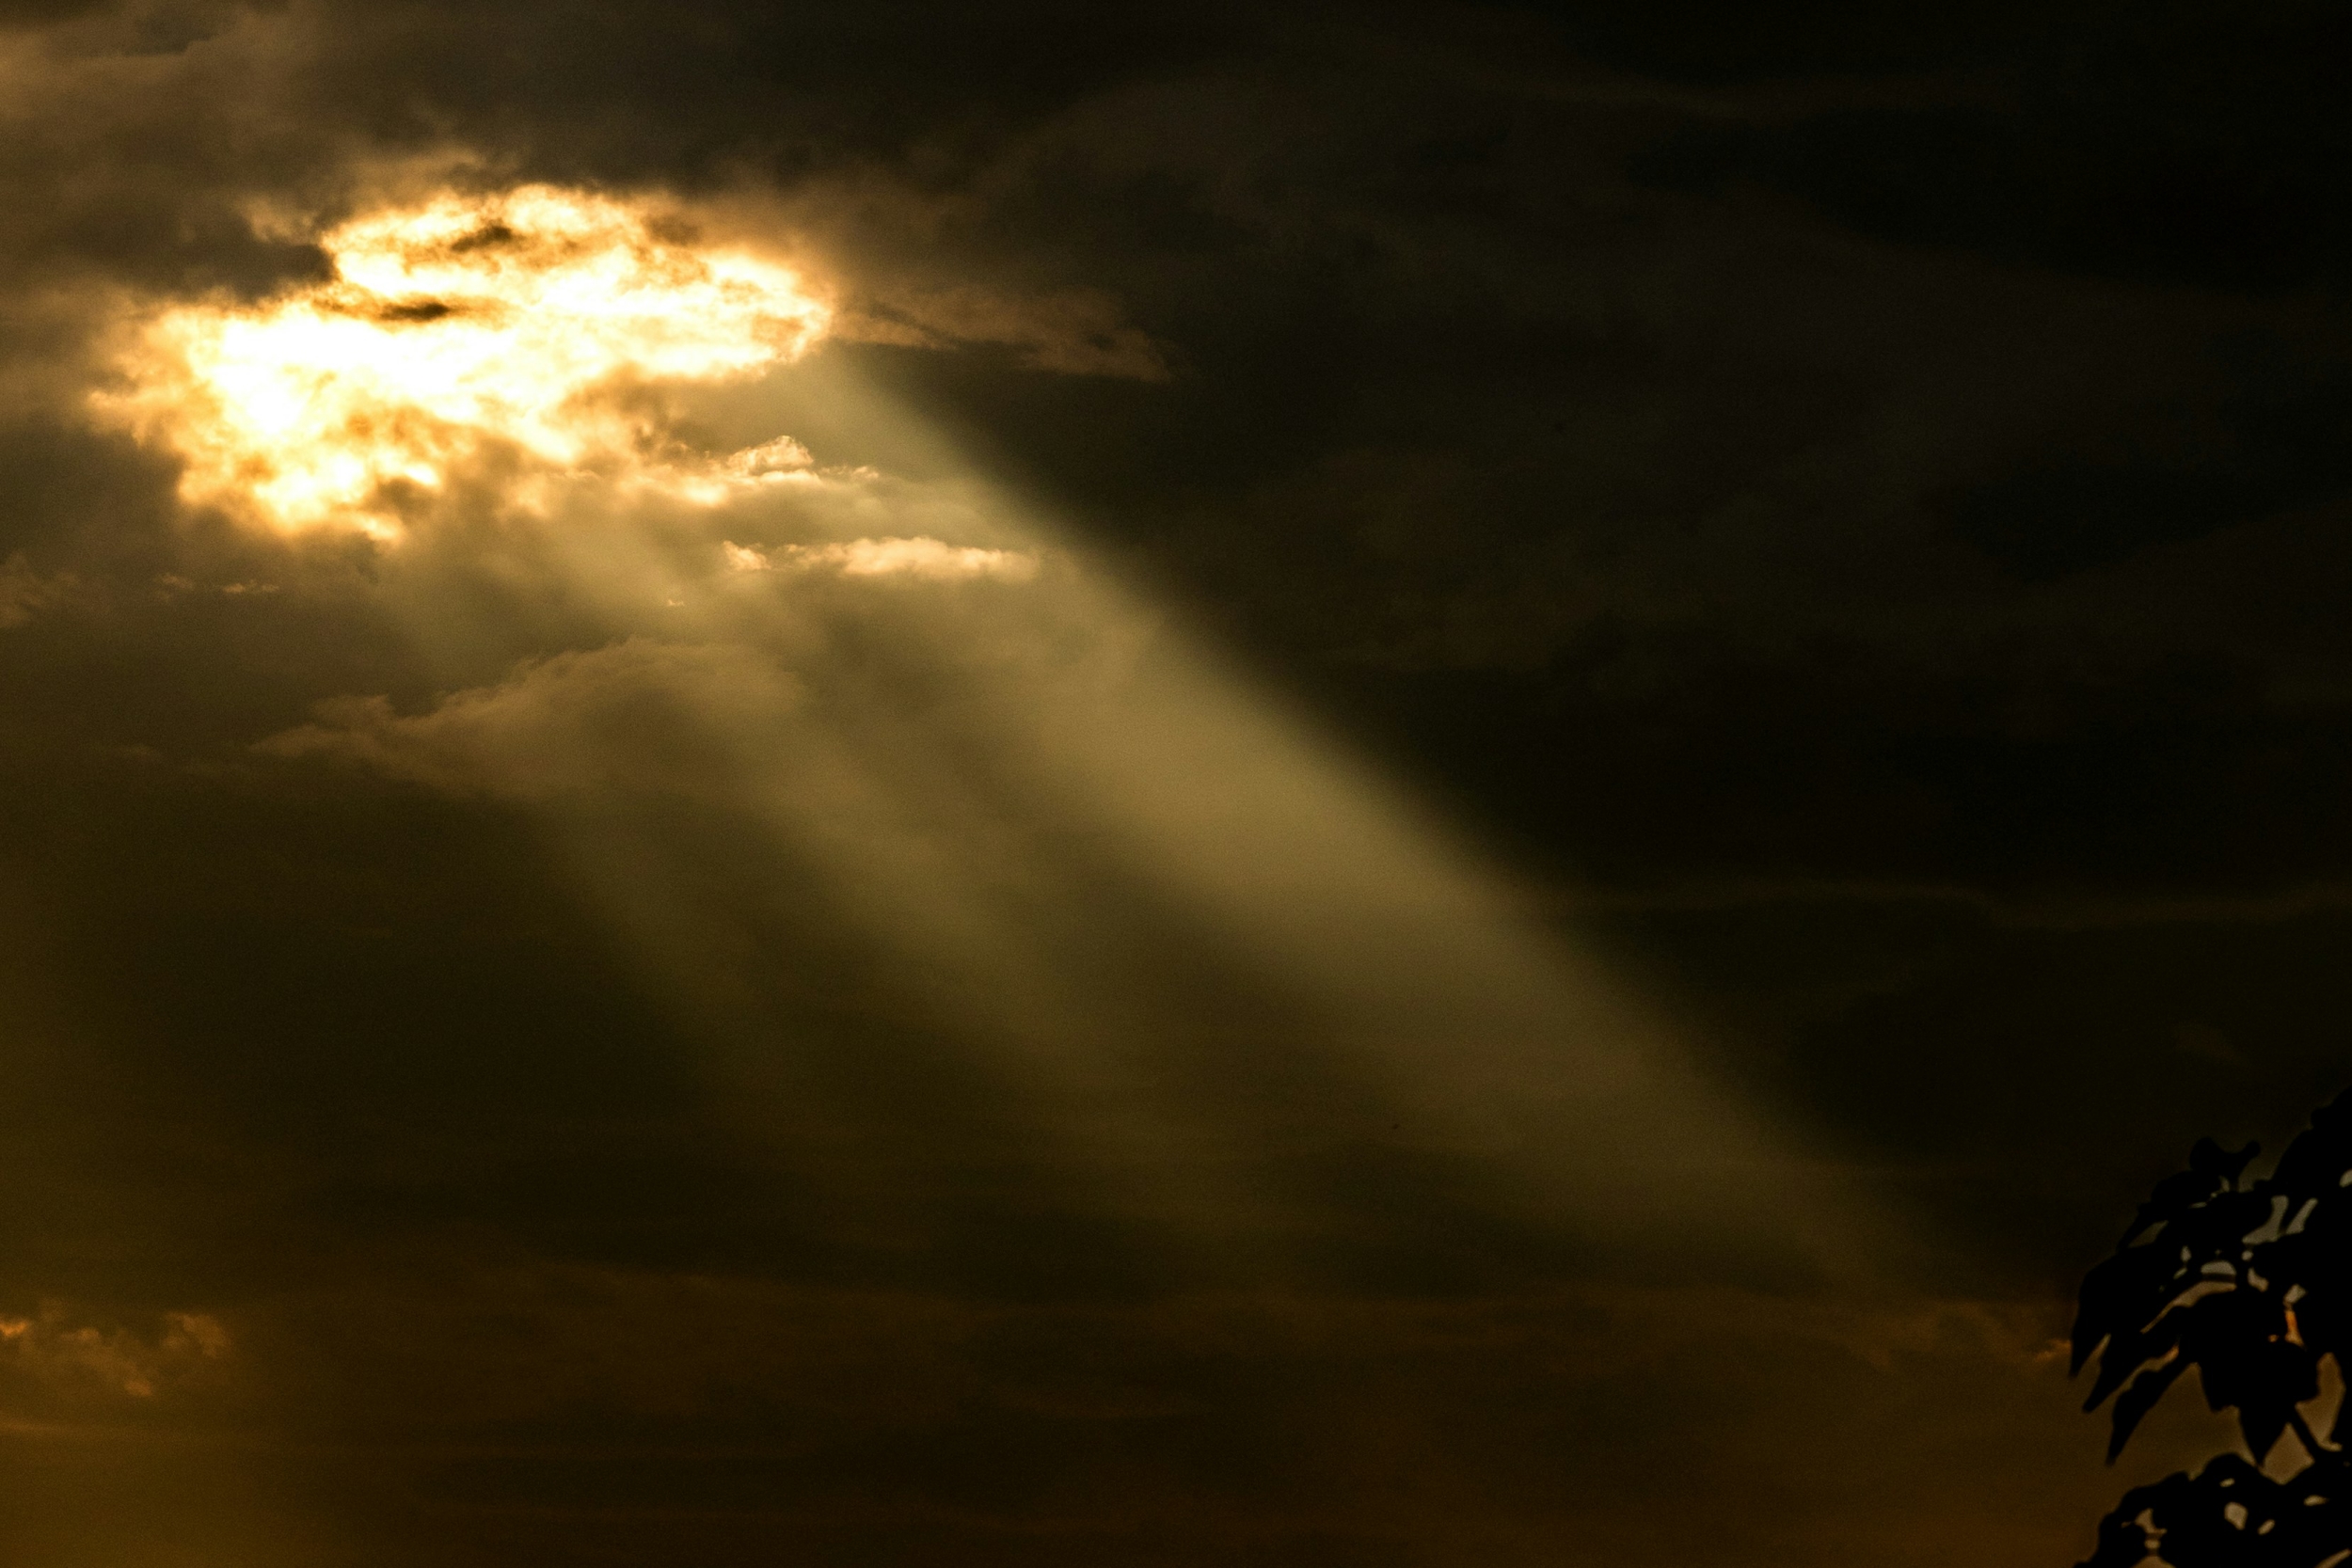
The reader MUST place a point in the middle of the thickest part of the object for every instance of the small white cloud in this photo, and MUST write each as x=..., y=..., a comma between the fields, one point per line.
x=923, y=558
x=770, y=460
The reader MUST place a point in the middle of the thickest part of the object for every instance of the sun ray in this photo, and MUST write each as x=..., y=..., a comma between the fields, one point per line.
x=1005, y=769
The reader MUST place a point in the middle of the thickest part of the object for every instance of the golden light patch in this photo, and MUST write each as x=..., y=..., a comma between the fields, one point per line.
x=465, y=329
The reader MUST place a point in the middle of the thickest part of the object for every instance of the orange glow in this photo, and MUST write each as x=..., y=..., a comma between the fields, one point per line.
x=467, y=328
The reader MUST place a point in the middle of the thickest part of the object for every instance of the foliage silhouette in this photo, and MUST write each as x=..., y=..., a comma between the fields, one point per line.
x=2250, y=1283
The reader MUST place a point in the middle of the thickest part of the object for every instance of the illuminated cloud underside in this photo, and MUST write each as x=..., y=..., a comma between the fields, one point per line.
x=465, y=330
x=921, y=556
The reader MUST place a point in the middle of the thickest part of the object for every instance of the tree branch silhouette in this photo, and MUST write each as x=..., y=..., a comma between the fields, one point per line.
x=2250, y=1282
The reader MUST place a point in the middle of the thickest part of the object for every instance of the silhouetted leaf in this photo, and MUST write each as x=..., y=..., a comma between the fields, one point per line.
x=2250, y=1283
x=2122, y=1296
x=2135, y=1403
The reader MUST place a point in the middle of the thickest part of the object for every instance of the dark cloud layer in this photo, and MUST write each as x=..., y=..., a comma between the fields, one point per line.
x=1847, y=506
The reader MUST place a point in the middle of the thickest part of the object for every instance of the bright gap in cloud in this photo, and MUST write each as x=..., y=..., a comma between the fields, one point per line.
x=461, y=331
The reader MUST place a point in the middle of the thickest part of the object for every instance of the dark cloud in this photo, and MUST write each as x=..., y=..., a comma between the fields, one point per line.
x=1839, y=509
x=2185, y=146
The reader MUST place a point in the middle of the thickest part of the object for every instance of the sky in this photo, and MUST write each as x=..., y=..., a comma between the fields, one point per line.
x=1280, y=785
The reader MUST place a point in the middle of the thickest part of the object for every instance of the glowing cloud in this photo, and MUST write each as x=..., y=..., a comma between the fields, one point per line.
x=923, y=557
x=464, y=330
x=57, y=1351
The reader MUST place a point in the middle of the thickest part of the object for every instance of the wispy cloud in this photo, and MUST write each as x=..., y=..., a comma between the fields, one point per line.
x=56, y=1349
x=1070, y=332
x=560, y=723
x=924, y=558
x=24, y=593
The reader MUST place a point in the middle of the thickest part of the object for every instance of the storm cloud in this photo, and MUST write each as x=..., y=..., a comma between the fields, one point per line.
x=1431, y=780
